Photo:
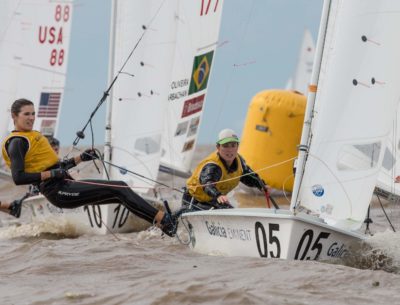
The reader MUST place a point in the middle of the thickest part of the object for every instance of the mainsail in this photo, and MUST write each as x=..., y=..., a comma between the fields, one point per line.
x=358, y=84
x=198, y=24
x=139, y=98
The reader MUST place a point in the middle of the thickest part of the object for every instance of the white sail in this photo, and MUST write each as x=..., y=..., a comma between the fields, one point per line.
x=7, y=67
x=139, y=97
x=301, y=78
x=34, y=48
x=358, y=85
x=388, y=180
x=33, y=59
x=7, y=9
x=197, y=39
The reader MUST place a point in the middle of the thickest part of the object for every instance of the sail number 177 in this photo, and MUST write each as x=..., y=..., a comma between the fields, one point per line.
x=205, y=6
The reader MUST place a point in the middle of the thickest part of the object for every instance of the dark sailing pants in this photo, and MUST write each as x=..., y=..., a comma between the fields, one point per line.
x=69, y=194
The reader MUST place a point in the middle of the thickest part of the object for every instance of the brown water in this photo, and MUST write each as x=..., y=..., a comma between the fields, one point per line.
x=59, y=263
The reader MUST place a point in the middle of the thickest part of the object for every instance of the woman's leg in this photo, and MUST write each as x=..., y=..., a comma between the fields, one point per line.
x=5, y=207
x=12, y=208
x=71, y=194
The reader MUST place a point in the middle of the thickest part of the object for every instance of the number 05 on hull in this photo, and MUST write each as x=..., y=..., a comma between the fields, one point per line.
x=266, y=233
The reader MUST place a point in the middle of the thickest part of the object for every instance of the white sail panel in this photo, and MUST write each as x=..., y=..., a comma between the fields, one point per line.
x=34, y=48
x=389, y=177
x=197, y=39
x=10, y=39
x=358, y=86
x=139, y=97
x=36, y=53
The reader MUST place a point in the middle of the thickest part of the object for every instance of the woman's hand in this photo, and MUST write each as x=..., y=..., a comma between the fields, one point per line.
x=89, y=154
x=222, y=199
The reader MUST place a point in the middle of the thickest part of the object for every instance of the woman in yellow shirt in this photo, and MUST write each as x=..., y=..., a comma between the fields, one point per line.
x=218, y=174
x=33, y=161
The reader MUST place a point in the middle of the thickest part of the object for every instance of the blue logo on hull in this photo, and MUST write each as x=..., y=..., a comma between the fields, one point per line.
x=318, y=190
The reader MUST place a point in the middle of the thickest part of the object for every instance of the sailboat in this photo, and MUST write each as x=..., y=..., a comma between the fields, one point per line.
x=158, y=39
x=302, y=74
x=351, y=102
x=34, y=50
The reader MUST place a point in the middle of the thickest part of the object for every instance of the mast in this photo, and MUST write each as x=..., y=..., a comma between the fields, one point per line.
x=312, y=91
x=107, y=140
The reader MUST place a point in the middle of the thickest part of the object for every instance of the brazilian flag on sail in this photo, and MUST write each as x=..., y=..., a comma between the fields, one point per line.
x=200, y=72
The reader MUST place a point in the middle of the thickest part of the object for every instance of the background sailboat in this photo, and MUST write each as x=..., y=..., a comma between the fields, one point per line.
x=34, y=49
x=301, y=77
x=164, y=100
x=150, y=37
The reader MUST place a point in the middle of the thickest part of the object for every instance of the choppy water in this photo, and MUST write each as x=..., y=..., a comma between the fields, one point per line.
x=71, y=267
x=59, y=263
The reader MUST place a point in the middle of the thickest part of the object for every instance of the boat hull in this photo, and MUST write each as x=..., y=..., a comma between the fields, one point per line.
x=266, y=233
x=103, y=219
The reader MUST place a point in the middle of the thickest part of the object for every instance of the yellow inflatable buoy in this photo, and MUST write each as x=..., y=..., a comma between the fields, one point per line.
x=271, y=134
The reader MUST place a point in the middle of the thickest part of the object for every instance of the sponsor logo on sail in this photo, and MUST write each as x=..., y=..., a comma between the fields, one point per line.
x=47, y=127
x=193, y=105
x=188, y=146
x=194, y=125
x=181, y=128
x=318, y=190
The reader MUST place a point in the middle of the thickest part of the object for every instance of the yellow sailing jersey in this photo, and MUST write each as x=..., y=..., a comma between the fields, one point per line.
x=40, y=155
x=227, y=182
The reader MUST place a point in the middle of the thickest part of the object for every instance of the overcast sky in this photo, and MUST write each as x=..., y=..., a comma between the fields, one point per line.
x=262, y=37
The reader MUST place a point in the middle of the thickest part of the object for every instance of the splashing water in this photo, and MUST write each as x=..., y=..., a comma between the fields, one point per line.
x=378, y=252
x=50, y=228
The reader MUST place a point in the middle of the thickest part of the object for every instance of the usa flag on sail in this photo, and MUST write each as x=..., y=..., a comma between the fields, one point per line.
x=49, y=103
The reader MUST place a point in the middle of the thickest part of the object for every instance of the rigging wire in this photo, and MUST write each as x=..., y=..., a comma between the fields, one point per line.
x=383, y=209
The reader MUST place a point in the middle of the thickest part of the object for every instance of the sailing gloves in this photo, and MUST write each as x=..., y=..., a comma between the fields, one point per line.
x=58, y=173
x=89, y=154
x=169, y=224
x=15, y=208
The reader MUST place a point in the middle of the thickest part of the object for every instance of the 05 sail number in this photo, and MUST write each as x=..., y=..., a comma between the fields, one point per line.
x=306, y=244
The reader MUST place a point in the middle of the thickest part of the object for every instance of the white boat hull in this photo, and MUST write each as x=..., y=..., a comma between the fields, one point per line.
x=265, y=233
x=111, y=218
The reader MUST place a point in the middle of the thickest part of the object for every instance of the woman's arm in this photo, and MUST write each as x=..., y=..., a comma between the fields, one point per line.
x=16, y=149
